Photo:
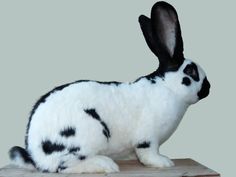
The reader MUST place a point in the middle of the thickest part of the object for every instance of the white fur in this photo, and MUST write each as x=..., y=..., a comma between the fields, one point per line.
x=134, y=113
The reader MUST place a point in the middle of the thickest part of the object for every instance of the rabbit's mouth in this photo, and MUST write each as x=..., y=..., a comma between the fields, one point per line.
x=204, y=92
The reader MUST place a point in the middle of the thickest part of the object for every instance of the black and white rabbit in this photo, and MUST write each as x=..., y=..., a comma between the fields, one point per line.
x=80, y=127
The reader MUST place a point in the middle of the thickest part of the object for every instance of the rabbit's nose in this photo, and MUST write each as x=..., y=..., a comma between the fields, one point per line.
x=205, y=90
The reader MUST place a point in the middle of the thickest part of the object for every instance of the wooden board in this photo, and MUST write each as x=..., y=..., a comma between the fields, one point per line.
x=182, y=168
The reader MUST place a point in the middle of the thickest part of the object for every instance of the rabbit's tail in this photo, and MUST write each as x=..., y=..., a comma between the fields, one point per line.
x=21, y=158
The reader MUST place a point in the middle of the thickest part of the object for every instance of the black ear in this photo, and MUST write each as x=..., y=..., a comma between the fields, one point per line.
x=163, y=35
x=146, y=26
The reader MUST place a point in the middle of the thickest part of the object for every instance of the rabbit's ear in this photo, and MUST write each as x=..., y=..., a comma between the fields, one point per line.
x=146, y=26
x=163, y=35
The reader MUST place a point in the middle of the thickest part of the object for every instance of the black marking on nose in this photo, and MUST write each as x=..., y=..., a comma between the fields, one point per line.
x=49, y=147
x=204, y=92
x=68, y=132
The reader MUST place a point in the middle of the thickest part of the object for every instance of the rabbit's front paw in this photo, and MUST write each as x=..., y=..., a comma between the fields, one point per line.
x=158, y=161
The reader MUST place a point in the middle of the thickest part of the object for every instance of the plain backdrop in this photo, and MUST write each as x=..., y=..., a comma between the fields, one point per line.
x=47, y=43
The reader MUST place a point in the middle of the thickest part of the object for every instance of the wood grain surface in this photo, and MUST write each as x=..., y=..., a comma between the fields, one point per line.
x=182, y=168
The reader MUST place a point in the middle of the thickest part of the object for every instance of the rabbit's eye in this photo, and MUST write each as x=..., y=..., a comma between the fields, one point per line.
x=192, y=71
x=186, y=81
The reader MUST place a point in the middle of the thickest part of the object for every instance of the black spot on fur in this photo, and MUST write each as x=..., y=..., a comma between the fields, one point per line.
x=153, y=81
x=186, y=81
x=61, y=167
x=19, y=151
x=145, y=144
x=45, y=171
x=82, y=157
x=192, y=71
x=70, y=131
x=106, y=131
x=49, y=147
x=204, y=92
x=74, y=150
x=94, y=114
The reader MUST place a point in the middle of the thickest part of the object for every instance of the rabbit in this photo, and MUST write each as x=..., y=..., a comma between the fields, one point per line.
x=82, y=127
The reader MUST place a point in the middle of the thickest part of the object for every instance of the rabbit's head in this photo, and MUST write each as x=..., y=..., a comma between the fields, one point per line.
x=163, y=35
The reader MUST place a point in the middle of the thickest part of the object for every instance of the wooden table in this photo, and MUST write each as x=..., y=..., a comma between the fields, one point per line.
x=182, y=168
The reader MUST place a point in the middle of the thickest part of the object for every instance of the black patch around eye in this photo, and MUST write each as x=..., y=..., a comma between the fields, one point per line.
x=49, y=147
x=67, y=132
x=186, y=81
x=192, y=71
x=145, y=144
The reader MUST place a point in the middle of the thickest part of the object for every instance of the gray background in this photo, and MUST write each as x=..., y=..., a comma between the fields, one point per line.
x=48, y=43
